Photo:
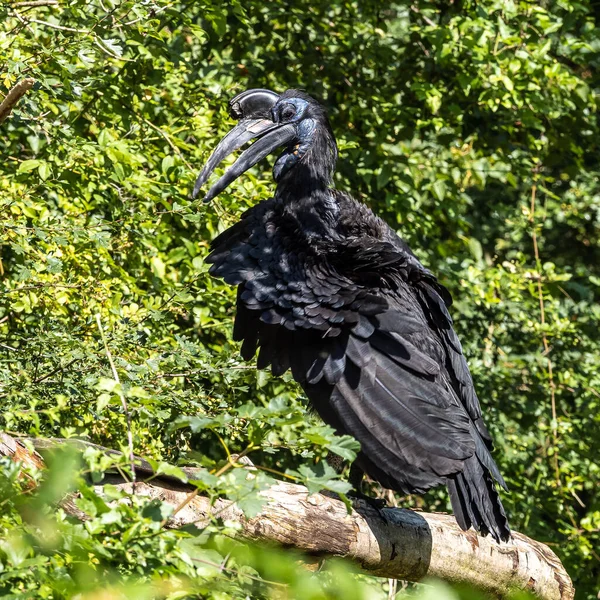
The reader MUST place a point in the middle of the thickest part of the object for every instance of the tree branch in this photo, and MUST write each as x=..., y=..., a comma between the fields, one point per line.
x=34, y=3
x=392, y=543
x=14, y=95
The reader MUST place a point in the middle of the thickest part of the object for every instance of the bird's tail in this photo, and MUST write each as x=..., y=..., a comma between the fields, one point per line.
x=476, y=502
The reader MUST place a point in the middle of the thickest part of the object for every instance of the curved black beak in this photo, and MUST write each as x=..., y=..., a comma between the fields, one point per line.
x=253, y=107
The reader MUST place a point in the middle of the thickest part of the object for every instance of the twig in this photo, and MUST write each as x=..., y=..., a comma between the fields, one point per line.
x=181, y=506
x=59, y=27
x=98, y=41
x=231, y=462
x=54, y=371
x=426, y=19
x=425, y=51
x=544, y=338
x=393, y=586
x=168, y=140
x=33, y=3
x=152, y=14
x=222, y=568
x=123, y=400
x=14, y=95
x=39, y=286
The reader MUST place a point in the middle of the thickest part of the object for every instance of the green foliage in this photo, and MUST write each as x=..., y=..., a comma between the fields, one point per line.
x=470, y=126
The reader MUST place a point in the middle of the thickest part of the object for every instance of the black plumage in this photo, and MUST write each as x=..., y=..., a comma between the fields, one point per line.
x=328, y=290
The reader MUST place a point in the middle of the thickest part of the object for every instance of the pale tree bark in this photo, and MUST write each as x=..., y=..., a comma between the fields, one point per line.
x=14, y=95
x=34, y=3
x=392, y=543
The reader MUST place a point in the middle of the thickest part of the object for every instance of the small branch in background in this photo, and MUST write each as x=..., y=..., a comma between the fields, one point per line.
x=100, y=43
x=58, y=369
x=54, y=26
x=426, y=19
x=97, y=40
x=34, y=3
x=152, y=15
x=122, y=397
x=538, y=266
x=14, y=95
x=167, y=138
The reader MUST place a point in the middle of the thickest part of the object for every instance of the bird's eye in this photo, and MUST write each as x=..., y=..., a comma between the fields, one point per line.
x=287, y=112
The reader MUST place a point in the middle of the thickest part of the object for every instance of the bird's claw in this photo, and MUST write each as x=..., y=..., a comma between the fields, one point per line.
x=356, y=498
x=376, y=503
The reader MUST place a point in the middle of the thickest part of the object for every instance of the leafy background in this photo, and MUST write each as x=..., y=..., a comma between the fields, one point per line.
x=469, y=126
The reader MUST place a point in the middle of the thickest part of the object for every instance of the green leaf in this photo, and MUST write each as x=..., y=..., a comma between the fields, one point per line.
x=171, y=471
x=321, y=478
x=167, y=163
x=158, y=267
x=113, y=46
x=345, y=446
x=29, y=165
x=157, y=511
x=44, y=170
x=107, y=385
x=476, y=249
x=439, y=189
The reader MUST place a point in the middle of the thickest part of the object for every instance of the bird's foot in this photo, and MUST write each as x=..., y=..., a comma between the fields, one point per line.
x=357, y=497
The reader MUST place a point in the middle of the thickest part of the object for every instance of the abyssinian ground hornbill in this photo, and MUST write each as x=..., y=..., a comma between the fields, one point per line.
x=328, y=290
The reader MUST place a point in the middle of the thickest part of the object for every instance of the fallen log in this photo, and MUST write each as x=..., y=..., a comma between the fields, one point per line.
x=392, y=543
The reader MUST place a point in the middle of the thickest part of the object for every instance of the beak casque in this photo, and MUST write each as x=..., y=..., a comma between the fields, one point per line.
x=253, y=108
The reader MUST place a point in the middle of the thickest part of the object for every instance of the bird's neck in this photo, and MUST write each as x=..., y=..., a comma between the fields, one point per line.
x=304, y=176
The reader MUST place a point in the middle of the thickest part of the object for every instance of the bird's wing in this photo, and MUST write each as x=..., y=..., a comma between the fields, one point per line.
x=375, y=258
x=430, y=296
x=434, y=301
x=369, y=365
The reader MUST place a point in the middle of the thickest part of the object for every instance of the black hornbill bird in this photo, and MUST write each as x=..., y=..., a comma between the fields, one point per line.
x=327, y=289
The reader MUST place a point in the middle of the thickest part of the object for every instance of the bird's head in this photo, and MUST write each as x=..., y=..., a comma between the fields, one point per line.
x=292, y=120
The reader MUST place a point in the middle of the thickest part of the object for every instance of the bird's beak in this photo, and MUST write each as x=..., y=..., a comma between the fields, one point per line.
x=271, y=135
x=253, y=109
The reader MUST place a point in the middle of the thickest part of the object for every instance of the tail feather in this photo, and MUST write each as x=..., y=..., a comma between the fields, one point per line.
x=476, y=502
